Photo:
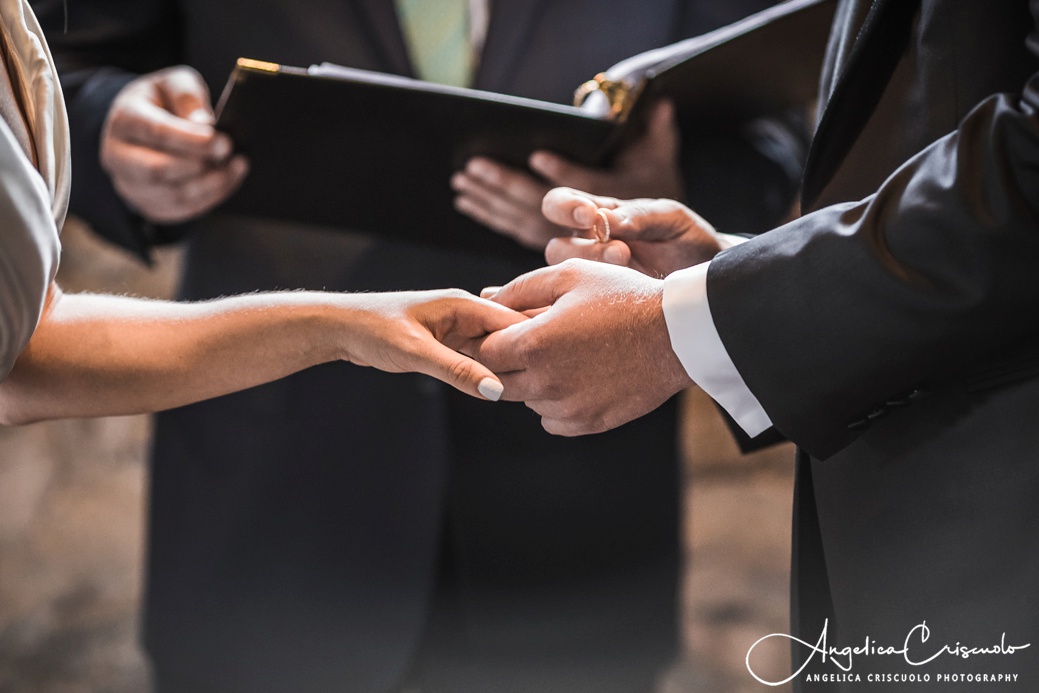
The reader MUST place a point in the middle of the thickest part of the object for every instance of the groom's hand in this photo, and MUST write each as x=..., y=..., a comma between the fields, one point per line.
x=597, y=357
x=654, y=236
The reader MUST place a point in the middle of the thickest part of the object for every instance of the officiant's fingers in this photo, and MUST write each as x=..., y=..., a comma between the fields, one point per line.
x=613, y=252
x=575, y=208
x=505, y=180
x=185, y=93
x=662, y=137
x=505, y=200
x=152, y=166
x=141, y=121
x=503, y=223
x=491, y=209
x=173, y=203
x=559, y=171
x=214, y=186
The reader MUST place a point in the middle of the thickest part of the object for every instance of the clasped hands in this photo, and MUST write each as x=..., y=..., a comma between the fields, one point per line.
x=594, y=351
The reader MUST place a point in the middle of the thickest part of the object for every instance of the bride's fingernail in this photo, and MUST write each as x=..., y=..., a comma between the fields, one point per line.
x=489, y=291
x=491, y=389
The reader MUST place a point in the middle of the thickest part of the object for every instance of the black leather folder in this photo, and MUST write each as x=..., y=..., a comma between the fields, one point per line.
x=372, y=152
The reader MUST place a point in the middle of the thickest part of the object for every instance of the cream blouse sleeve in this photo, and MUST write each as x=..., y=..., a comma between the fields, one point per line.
x=33, y=198
x=28, y=248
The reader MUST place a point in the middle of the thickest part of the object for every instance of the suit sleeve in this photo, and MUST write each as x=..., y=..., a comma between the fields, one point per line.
x=834, y=314
x=99, y=47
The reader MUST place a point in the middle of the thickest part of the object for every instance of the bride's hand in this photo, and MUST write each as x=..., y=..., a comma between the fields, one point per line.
x=419, y=331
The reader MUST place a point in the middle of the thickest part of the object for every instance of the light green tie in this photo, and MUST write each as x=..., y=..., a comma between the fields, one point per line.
x=437, y=34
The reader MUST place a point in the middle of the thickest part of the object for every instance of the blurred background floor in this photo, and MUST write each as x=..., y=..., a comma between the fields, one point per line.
x=73, y=496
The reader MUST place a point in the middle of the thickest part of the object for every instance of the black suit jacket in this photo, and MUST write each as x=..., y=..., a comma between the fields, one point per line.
x=899, y=314
x=295, y=529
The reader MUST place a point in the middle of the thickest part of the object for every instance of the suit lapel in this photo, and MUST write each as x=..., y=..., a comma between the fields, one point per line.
x=876, y=52
x=380, y=22
x=507, y=35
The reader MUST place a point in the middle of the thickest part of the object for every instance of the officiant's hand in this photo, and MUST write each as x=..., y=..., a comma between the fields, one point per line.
x=508, y=200
x=655, y=237
x=598, y=357
x=161, y=149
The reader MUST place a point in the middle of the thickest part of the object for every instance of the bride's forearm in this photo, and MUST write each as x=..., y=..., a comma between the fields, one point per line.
x=104, y=355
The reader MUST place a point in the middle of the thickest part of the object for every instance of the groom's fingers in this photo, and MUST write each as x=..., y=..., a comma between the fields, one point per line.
x=504, y=354
x=475, y=317
x=652, y=220
x=489, y=291
x=536, y=289
x=572, y=208
x=461, y=372
x=561, y=249
x=570, y=429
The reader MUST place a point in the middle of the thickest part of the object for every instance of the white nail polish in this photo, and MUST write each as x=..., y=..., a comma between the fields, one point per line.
x=491, y=389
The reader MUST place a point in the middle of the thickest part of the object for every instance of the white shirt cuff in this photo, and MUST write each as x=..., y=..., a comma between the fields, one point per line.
x=728, y=240
x=695, y=340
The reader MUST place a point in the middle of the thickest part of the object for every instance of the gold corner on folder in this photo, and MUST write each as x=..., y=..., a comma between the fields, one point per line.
x=261, y=65
x=620, y=95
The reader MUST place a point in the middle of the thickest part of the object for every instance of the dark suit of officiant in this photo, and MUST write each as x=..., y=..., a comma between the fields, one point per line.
x=344, y=529
x=901, y=319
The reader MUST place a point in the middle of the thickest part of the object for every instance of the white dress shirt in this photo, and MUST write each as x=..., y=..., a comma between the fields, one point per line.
x=698, y=346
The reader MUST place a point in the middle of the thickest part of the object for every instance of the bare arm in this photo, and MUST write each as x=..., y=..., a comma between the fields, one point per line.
x=98, y=355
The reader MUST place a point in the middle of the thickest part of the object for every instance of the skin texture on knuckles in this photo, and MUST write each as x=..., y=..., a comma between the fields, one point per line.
x=596, y=354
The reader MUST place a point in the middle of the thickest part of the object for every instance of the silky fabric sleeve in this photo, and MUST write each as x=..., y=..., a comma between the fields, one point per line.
x=29, y=248
x=33, y=195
